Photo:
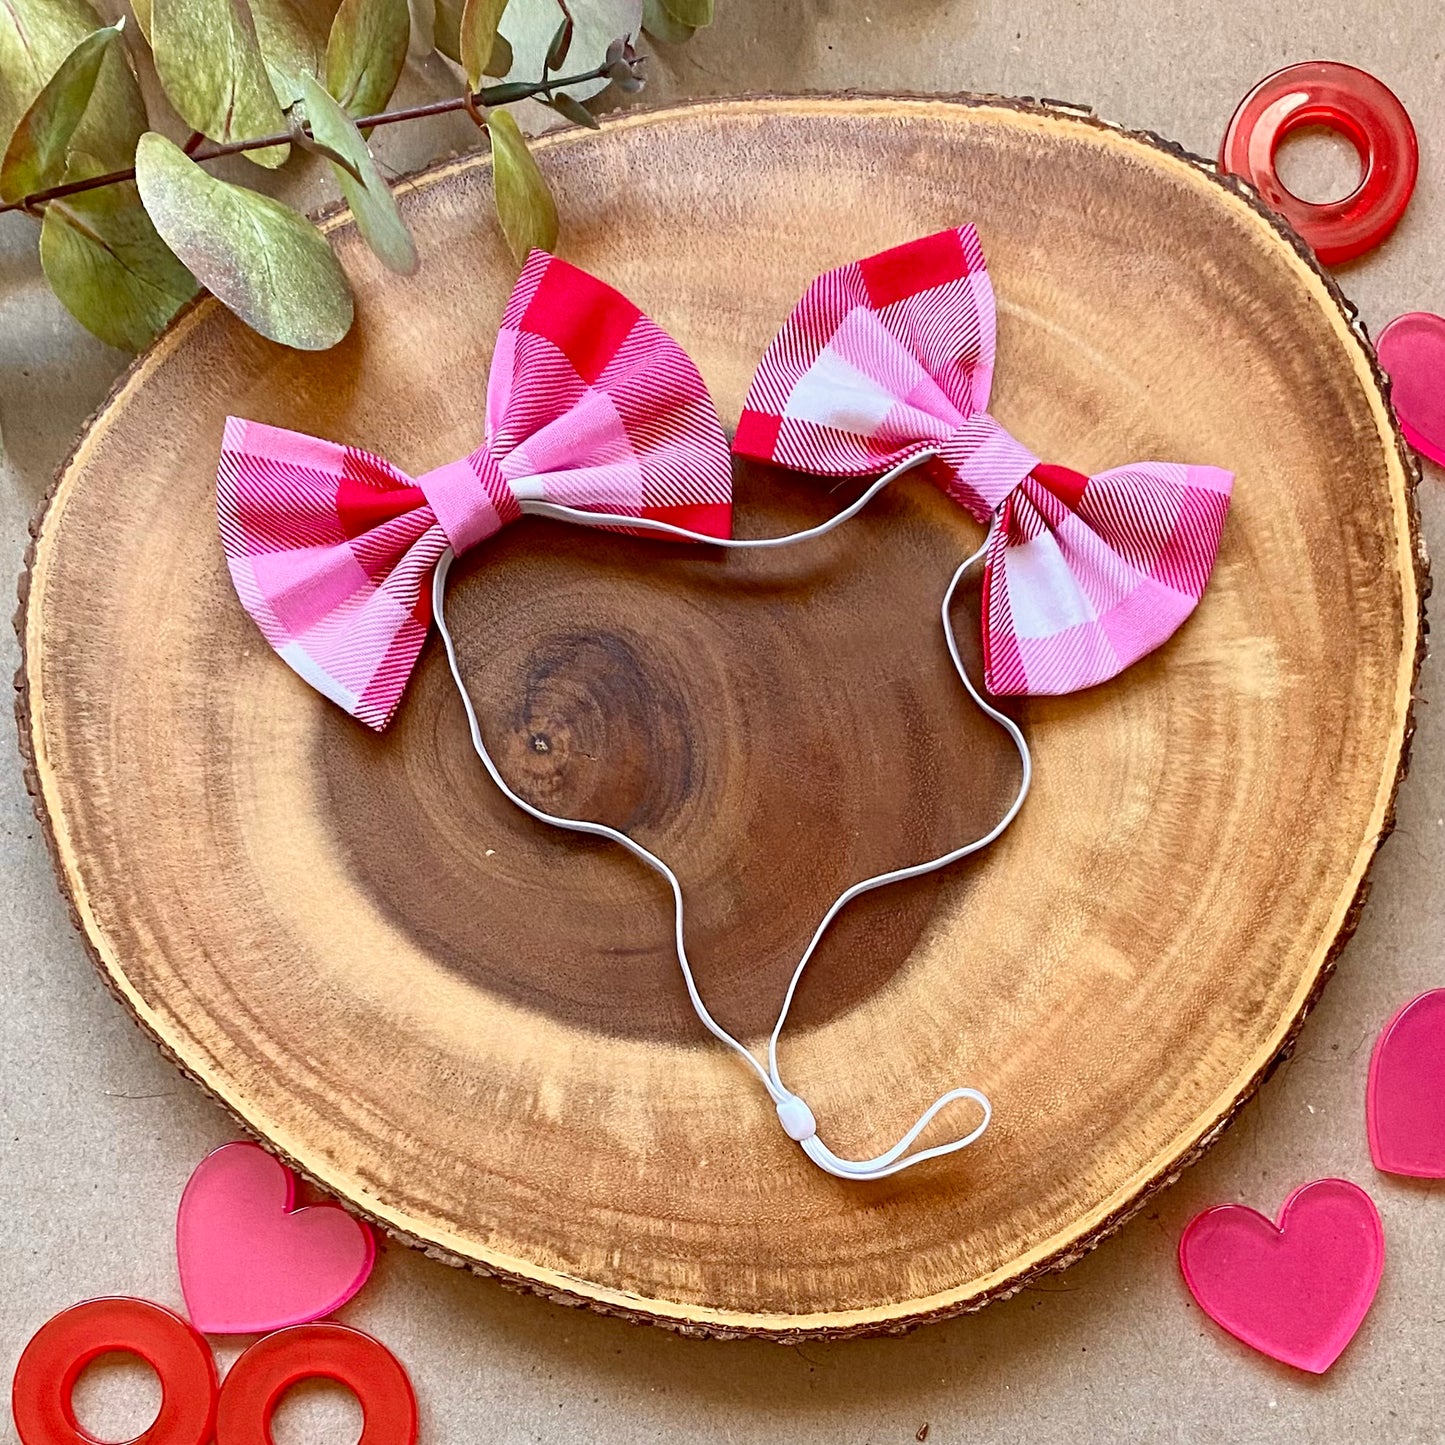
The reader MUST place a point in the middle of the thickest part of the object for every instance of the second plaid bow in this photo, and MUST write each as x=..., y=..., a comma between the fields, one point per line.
x=892, y=357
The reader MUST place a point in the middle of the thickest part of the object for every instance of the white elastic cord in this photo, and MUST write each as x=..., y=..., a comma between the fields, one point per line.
x=559, y=513
x=796, y=1117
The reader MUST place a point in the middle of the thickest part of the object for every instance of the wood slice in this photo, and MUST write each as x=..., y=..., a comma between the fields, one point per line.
x=472, y=1028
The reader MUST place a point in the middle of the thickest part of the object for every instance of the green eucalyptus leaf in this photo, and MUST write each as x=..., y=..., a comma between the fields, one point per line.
x=266, y=262
x=35, y=38
x=141, y=9
x=574, y=111
x=478, y=35
x=365, y=53
x=448, y=34
x=35, y=157
x=447, y=30
x=423, y=16
x=285, y=86
x=561, y=44
x=104, y=260
x=531, y=26
x=659, y=23
x=288, y=46
x=209, y=62
x=524, y=204
x=693, y=13
x=369, y=197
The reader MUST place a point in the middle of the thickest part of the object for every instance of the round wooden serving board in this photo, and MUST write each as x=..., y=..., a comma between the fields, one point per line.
x=472, y=1028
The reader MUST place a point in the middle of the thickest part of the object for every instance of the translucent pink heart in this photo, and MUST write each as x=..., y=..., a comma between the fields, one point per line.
x=1296, y=1290
x=1412, y=351
x=1405, y=1098
x=249, y=1260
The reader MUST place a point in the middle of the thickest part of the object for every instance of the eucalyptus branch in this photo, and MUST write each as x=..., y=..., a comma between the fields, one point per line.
x=488, y=95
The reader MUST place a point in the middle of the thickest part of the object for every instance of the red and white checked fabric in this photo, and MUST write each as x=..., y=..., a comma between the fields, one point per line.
x=589, y=404
x=889, y=356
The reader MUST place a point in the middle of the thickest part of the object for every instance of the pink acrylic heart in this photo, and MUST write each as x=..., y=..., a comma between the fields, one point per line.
x=250, y=1261
x=1297, y=1290
x=1412, y=351
x=1405, y=1097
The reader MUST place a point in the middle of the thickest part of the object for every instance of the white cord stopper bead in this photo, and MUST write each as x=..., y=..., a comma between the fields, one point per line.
x=797, y=1118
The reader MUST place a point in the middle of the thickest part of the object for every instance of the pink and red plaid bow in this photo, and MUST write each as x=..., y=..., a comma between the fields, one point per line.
x=589, y=404
x=893, y=355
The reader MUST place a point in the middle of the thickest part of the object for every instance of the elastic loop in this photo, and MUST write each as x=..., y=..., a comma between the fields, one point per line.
x=794, y=1114
x=895, y=1160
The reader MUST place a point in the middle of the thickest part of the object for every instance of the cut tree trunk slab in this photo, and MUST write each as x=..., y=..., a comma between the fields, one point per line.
x=472, y=1028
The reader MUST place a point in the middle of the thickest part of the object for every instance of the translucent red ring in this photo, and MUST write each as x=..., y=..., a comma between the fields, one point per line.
x=62, y=1347
x=193, y=1411
x=1355, y=105
x=255, y=1383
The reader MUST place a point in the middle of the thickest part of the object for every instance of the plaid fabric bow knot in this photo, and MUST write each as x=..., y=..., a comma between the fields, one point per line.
x=589, y=404
x=892, y=356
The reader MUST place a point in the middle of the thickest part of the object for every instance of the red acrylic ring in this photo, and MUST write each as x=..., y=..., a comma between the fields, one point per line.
x=1357, y=106
x=63, y=1347
x=256, y=1382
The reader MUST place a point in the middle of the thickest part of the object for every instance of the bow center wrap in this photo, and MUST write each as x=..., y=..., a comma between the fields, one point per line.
x=471, y=499
x=889, y=360
x=985, y=465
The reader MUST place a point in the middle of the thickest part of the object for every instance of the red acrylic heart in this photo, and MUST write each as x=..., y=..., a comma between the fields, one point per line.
x=1297, y=1290
x=1405, y=1098
x=249, y=1260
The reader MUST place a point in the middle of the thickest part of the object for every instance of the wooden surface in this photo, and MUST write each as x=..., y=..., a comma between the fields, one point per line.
x=471, y=1028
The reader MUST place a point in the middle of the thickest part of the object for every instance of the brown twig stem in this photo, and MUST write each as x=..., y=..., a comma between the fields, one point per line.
x=214, y=150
